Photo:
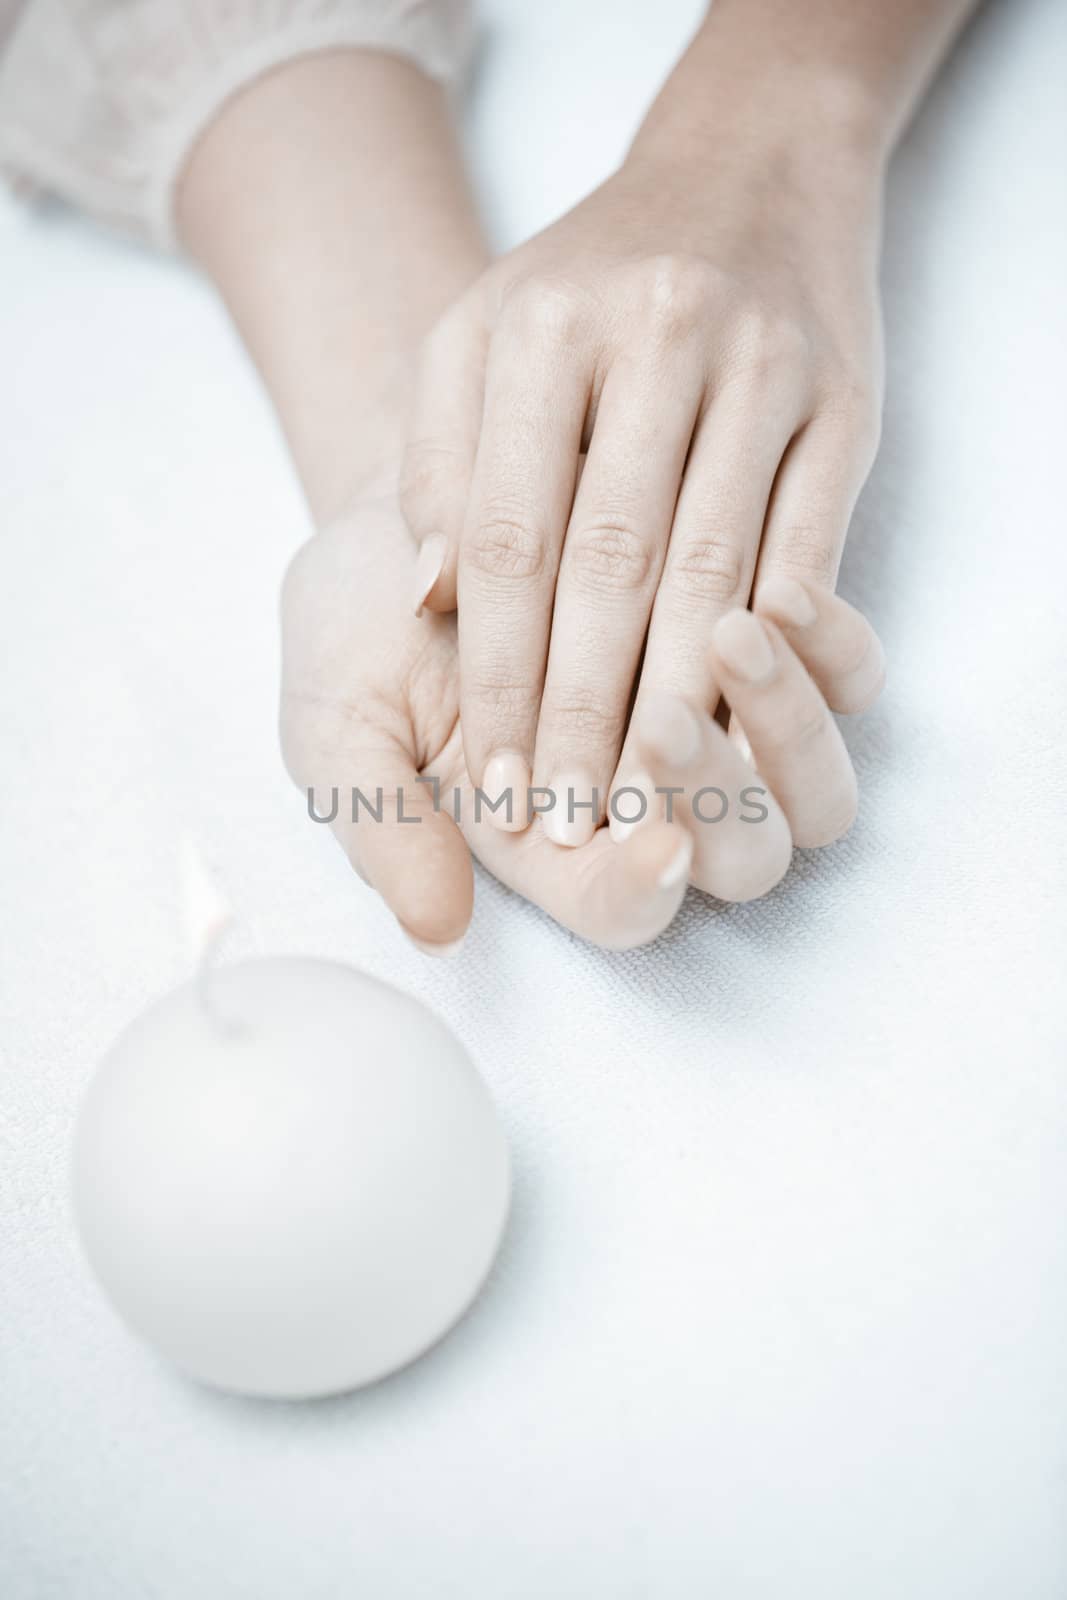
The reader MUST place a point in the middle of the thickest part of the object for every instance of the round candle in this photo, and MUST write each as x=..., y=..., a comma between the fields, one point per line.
x=289, y=1178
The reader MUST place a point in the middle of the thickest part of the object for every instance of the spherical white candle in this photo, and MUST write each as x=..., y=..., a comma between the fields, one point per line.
x=294, y=1188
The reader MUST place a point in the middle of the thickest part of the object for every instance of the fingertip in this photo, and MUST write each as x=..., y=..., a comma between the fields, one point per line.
x=435, y=910
x=742, y=648
x=661, y=855
x=424, y=874
x=830, y=828
x=427, y=948
x=866, y=683
x=633, y=890
x=675, y=870
x=786, y=601
x=741, y=879
x=837, y=643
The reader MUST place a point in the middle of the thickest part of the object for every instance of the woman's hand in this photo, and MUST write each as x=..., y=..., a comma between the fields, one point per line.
x=370, y=702
x=706, y=327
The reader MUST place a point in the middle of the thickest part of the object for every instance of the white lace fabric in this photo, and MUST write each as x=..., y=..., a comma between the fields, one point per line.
x=102, y=100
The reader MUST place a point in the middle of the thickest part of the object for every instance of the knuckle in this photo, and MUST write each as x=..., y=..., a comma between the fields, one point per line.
x=609, y=556
x=543, y=308
x=804, y=551
x=709, y=569
x=679, y=292
x=581, y=717
x=766, y=343
x=504, y=698
x=505, y=546
x=853, y=401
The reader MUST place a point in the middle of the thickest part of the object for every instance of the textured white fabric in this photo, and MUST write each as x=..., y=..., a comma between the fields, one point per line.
x=101, y=101
x=782, y=1311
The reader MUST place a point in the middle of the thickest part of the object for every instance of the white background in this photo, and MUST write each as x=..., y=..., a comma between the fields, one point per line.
x=782, y=1308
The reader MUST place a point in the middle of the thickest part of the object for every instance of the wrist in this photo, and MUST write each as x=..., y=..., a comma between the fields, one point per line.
x=374, y=482
x=803, y=180
x=371, y=472
x=741, y=95
x=346, y=459
x=328, y=203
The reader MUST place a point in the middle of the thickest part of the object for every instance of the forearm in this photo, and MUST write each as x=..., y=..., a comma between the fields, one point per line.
x=839, y=74
x=329, y=204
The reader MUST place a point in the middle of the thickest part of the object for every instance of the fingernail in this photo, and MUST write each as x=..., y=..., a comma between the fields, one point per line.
x=788, y=600
x=744, y=749
x=428, y=564
x=669, y=728
x=678, y=866
x=428, y=948
x=743, y=646
x=633, y=816
x=506, y=782
x=574, y=817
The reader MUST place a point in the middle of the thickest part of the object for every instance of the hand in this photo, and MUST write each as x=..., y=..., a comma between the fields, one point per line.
x=370, y=701
x=711, y=339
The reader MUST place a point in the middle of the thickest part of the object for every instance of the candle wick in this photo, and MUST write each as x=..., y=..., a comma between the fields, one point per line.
x=207, y=974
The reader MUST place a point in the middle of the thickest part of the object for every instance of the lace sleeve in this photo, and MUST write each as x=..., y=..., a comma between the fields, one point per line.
x=101, y=100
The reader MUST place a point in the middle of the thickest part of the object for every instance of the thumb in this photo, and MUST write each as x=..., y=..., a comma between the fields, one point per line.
x=395, y=834
x=438, y=461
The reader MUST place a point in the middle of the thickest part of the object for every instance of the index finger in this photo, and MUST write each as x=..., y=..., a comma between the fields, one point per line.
x=537, y=392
